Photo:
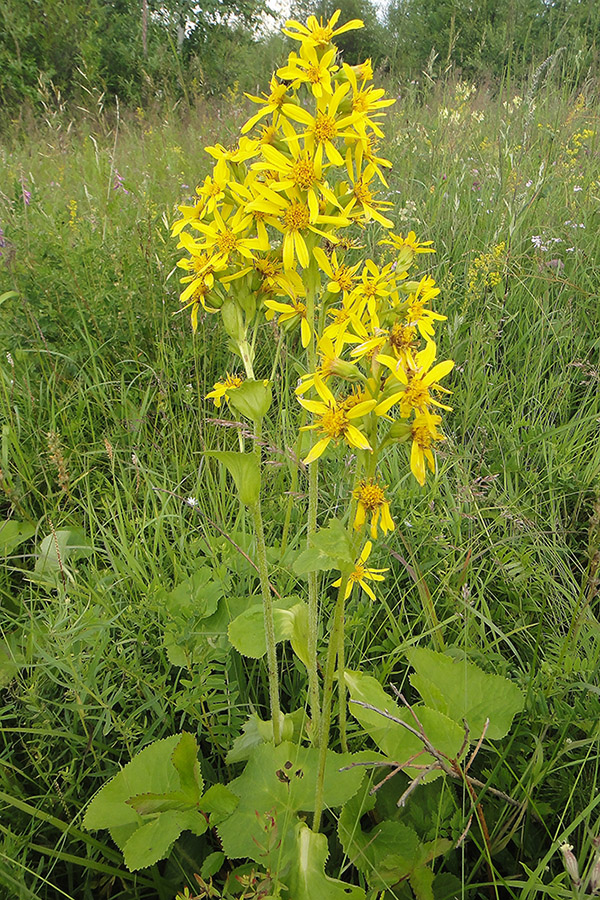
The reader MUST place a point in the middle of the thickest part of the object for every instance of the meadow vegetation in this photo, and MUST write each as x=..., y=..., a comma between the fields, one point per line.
x=110, y=501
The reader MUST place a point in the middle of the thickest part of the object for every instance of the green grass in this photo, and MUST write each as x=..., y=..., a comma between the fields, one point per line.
x=503, y=542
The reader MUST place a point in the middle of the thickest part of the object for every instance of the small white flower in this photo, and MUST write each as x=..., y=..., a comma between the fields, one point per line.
x=191, y=501
x=577, y=188
x=11, y=361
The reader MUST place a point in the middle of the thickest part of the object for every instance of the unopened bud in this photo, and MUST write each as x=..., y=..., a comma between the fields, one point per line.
x=595, y=876
x=571, y=864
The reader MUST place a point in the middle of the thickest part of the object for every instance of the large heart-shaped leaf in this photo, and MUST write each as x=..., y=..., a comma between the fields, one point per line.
x=277, y=784
x=461, y=690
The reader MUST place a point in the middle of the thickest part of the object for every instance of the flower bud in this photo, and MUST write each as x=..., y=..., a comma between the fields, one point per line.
x=233, y=320
x=595, y=876
x=571, y=864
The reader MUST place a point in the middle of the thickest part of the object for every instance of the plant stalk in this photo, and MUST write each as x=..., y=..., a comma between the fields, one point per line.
x=267, y=597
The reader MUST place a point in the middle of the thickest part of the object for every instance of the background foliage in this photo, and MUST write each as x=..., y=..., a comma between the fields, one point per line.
x=144, y=50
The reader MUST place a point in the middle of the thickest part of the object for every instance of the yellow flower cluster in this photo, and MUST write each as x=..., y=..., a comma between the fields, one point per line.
x=486, y=271
x=274, y=227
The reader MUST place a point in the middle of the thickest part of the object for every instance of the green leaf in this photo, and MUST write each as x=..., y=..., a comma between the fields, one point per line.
x=307, y=879
x=390, y=851
x=331, y=548
x=212, y=864
x=461, y=690
x=11, y=658
x=150, y=803
x=144, y=805
x=252, y=399
x=421, y=881
x=198, y=595
x=385, y=854
x=57, y=550
x=13, y=533
x=218, y=803
x=247, y=631
x=395, y=741
x=150, y=771
x=185, y=761
x=258, y=731
x=153, y=841
x=278, y=783
x=245, y=472
x=8, y=295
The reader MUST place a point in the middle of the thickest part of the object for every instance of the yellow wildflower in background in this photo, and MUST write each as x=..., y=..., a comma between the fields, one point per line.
x=223, y=388
x=371, y=501
x=362, y=574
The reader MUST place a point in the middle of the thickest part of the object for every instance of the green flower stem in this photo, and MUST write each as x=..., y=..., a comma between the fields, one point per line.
x=312, y=281
x=261, y=553
x=263, y=570
x=338, y=618
x=341, y=647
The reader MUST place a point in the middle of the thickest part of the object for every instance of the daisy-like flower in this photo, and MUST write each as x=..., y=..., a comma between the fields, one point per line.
x=342, y=277
x=362, y=574
x=224, y=236
x=223, y=388
x=292, y=216
x=363, y=201
x=317, y=34
x=330, y=363
x=424, y=433
x=300, y=171
x=291, y=313
x=407, y=248
x=418, y=383
x=334, y=420
x=366, y=102
x=371, y=501
x=272, y=103
x=309, y=69
x=325, y=126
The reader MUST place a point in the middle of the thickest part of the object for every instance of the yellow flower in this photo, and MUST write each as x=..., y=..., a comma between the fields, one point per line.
x=222, y=389
x=417, y=382
x=309, y=69
x=407, y=248
x=323, y=128
x=371, y=501
x=367, y=103
x=334, y=421
x=292, y=313
x=272, y=103
x=224, y=235
x=363, y=201
x=315, y=33
x=291, y=215
x=362, y=574
x=423, y=432
x=342, y=277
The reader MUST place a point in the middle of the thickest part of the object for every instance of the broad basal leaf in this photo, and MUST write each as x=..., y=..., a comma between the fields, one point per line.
x=389, y=851
x=461, y=690
x=154, y=798
x=395, y=741
x=307, y=879
x=247, y=632
x=277, y=784
x=13, y=533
